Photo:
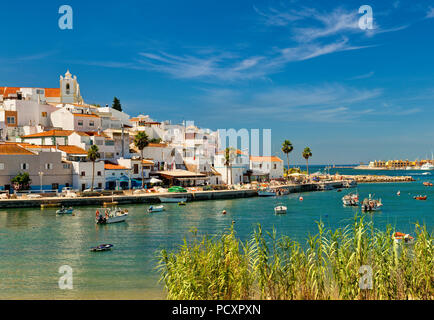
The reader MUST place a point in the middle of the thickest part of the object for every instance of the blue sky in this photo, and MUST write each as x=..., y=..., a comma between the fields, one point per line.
x=302, y=68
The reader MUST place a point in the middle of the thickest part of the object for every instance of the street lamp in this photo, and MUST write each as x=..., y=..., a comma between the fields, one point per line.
x=40, y=178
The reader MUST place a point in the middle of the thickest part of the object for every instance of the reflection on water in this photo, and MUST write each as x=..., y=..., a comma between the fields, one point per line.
x=34, y=243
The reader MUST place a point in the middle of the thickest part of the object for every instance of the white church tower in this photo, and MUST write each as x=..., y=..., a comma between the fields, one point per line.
x=70, y=89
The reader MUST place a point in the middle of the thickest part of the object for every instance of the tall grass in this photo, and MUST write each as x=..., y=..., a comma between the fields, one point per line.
x=327, y=267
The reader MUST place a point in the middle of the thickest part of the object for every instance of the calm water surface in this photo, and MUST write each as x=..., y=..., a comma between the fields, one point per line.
x=34, y=243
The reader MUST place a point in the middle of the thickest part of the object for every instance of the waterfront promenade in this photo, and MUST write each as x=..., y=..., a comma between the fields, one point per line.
x=130, y=198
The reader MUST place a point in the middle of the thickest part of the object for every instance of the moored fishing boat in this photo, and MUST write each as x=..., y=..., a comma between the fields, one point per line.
x=155, y=209
x=351, y=199
x=370, y=204
x=101, y=247
x=420, y=197
x=402, y=237
x=64, y=210
x=427, y=184
x=280, y=209
x=106, y=215
x=267, y=192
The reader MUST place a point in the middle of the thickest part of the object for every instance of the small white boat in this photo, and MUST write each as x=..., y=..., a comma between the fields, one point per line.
x=107, y=215
x=280, y=209
x=155, y=209
x=402, y=237
x=427, y=166
x=64, y=210
x=171, y=200
x=371, y=204
x=349, y=184
x=324, y=186
x=266, y=193
x=426, y=173
x=351, y=199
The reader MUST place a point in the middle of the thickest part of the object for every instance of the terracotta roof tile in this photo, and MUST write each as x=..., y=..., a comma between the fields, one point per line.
x=72, y=150
x=52, y=92
x=13, y=149
x=265, y=159
x=50, y=133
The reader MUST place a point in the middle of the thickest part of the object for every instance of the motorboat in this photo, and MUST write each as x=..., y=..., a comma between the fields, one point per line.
x=349, y=184
x=402, y=237
x=419, y=197
x=155, y=209
x=427, y=166
x=266, y=193
x=102, y=247
x=107, y=215
x=427, y=184
x=324, y=186
x=171, y=200
x=182, y=203
x=64, y=210
x=370, y=204
x=426, y=173
x=280, y=209
x=351, y=199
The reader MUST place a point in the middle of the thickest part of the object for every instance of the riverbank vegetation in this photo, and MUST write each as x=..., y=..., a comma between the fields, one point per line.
x=331, y=265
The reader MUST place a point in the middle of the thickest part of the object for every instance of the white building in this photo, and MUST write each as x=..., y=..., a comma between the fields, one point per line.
x=271, y=166
x=233, y=173
x=66, y=119
x=82, y=175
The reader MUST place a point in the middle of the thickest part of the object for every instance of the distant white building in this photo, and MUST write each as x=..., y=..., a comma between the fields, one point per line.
x=267, y=166
x=239, y=164
x=82, y=175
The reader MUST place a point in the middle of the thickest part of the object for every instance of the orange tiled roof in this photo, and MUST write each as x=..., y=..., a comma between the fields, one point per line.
x=6, y=91
x=52, y=92
x=265, y=159
x=50, y=133
x=13, y=149
x=85, y=115
x=112, y=166
x=72, y=149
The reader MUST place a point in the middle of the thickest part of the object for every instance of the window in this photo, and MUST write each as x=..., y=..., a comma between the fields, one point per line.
x=10, y=120
x=67, y=88
x=54, y=186
x=136, y=168
x=80, y=122
x=99, y=185
x=2, y=166
x=99, y=142
x=24, y=166
x=83, y=174
x=275, y=166
x=260, y=165
x=91, y=123
x=83, y=186
x=44, y=114
x=48, y=166
x=98, y=173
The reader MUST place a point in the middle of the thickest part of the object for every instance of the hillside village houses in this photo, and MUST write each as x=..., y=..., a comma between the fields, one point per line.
x=48, y=131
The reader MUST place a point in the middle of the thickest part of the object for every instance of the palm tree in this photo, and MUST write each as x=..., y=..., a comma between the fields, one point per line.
x=287, y=149
x=307, y=154
x=228, y=162
x=141, y=141
x=93, y=155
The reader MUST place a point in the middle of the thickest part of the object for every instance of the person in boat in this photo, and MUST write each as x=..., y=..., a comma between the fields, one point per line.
x=224, y=212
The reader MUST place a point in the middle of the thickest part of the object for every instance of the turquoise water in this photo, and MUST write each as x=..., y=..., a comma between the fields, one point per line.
x=34, y=243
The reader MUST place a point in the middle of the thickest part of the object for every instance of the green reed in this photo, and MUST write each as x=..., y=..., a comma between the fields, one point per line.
x=327, y=267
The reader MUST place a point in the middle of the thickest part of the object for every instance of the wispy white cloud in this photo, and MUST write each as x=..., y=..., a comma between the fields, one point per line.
x=430, y=13
x=363, y=76
x=31, y=57
x=321, y=103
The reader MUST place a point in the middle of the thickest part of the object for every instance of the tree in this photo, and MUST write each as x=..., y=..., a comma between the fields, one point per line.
x=21, y=181
x=229, y=152
x=141, y=141
x=307, y=154
x=117, y=104
x=93, y=155
x=287, y=149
